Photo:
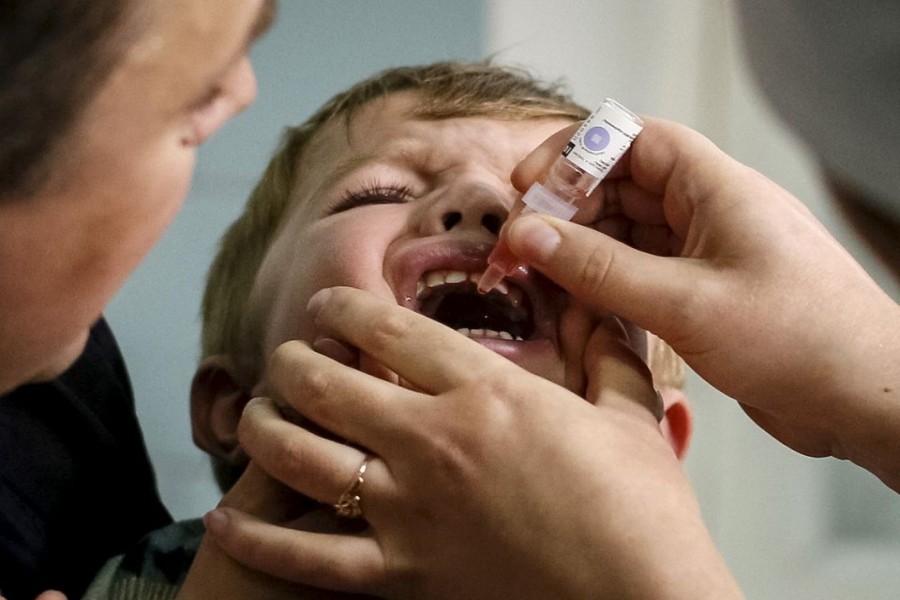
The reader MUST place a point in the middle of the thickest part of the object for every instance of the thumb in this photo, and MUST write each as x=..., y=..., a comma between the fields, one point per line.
x=606, y=274
x=616, y=376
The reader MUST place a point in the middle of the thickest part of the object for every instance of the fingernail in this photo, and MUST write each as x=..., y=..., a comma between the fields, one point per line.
x=216, y=521
x=534, y=238
x=317, y=301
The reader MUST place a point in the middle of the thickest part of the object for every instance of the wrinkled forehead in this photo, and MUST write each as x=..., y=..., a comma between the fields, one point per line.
x=391, y=132
x=363, y=131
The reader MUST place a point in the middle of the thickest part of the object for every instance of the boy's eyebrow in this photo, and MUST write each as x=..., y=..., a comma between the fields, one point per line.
x=403, y=157
x=344, y=168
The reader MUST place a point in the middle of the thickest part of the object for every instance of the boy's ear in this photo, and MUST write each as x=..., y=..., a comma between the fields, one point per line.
x=678, y=421
x=217, y=401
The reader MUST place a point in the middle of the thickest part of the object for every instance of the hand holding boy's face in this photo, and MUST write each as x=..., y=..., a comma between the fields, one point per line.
x=409, y=209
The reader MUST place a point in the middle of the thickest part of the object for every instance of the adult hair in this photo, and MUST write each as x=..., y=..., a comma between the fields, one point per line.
x=54, y=57
x=446, y=89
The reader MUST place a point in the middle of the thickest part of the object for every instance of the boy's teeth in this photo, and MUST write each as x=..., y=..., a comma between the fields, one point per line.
x=455, y=277
x=434, y=279
x=489, y=333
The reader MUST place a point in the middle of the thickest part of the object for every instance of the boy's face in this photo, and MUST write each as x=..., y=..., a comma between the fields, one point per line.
x=409, y=209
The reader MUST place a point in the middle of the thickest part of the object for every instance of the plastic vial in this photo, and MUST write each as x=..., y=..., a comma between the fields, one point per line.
x=588, y=157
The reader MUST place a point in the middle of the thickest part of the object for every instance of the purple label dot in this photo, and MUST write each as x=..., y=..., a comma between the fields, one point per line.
x=596, y=139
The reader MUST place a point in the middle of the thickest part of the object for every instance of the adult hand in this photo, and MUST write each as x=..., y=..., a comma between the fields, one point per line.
x=742, y=281
x=214, y=574
x=486, y=482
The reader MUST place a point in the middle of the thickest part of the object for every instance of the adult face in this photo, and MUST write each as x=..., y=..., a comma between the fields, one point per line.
x=124, y=172
x=409, y=209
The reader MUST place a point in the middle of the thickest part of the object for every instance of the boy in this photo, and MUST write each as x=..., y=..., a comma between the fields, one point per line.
x=397, y=186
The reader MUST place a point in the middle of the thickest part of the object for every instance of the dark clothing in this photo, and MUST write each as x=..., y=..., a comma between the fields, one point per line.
x=76, y=485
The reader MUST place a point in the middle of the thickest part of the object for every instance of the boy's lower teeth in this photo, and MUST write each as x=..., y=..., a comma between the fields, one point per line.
x=489, y=334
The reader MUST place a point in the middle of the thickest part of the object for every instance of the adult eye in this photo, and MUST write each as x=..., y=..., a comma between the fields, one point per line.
x=377, y=194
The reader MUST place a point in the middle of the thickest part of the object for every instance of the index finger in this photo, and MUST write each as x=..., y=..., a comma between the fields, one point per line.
x=534, y=166
x=401, y=339
x=678, y=165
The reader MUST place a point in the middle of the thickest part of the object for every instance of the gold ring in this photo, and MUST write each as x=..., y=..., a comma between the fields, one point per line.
x=348, y=504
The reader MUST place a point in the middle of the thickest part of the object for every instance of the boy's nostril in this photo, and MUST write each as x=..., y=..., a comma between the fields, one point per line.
x=451, y=219
x=492, y=223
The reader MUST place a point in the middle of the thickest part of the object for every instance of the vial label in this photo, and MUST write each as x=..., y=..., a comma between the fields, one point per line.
x=602, y=139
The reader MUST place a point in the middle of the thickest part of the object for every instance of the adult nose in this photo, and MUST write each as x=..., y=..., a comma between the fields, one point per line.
x=473, y=207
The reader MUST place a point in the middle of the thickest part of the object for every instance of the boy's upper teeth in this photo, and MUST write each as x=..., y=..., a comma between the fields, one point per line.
x=433, y=279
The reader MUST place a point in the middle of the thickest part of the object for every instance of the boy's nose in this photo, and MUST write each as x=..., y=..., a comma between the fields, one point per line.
x=488, y=221
x=472, y=208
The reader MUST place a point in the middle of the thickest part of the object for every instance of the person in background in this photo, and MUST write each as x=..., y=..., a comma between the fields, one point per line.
x=101, y=116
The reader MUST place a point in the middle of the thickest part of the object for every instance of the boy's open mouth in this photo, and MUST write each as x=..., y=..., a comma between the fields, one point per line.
x=451, y=297
x=438, y=278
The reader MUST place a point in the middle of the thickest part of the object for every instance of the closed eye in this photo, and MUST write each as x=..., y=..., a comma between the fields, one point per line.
x=375, y=194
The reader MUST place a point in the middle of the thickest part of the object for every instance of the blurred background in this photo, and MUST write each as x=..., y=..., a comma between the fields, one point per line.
x=788, y=526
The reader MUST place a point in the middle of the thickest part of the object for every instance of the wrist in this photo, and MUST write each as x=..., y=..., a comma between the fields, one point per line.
x=866, y=426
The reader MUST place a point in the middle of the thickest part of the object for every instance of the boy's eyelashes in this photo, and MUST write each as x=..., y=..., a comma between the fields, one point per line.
x=373, y=194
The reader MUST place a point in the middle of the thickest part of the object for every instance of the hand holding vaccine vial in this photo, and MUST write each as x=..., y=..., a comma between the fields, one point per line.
x=588, y=157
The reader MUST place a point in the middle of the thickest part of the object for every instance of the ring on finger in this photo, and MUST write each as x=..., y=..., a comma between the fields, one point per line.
x=347, y=505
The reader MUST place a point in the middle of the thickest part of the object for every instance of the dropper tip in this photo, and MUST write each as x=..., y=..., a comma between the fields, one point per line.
x=493, y=275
